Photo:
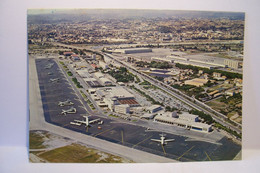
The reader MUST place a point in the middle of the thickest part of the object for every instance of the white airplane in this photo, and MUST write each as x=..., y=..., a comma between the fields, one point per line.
x=86, y=122
x=54, y=79
x=66, y=103
x=71, y=110
x=48, y=66
x=162, y=139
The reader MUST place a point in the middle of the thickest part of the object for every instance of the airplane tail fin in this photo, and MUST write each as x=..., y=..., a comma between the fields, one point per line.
x=162, y=134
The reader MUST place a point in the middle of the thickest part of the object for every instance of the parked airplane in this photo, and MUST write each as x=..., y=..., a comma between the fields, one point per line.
x=86, y=122
x=162, y=139
x=66, y=103
x=72, y=110
x=54, y=79
x=48, y=66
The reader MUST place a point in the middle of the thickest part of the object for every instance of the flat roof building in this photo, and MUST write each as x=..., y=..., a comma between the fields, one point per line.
x=122, y=109
x=84, y=73
x=232, y=63
x=134, y=50
x=105, y=81
x=67, y=53
x=195, y=126
x=154, y=108
x=99, y=74
x=196, y=82
x=188, y=117
x=120, y=93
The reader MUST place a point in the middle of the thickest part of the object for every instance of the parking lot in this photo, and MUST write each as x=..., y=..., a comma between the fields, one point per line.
x=117, y=130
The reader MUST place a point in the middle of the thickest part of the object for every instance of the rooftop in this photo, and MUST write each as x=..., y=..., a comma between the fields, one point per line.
x=120, y=92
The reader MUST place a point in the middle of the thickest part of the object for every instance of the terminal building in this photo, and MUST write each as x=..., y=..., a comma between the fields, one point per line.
x=185, y=120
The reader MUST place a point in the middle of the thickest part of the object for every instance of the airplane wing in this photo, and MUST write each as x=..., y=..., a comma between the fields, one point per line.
x=169, y=140
x=156, y=140
x=93, y=121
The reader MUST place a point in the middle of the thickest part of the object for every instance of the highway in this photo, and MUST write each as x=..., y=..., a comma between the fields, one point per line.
x=169, y=90
x=218, y=117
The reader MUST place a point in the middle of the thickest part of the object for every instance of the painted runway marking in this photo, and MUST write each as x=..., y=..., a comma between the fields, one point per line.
x=104, y=131
x=122, y=137
x=207, y=156
x=185, y=153
x=142, y=141
x=163, y=150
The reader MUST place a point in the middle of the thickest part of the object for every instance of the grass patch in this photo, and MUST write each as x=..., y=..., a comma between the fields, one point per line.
x=77, y=83
x=92, y=106
x=83, y=94
x=76, y=153
x=36, y=140
x=87, y=100
x=69, y=73
x=112, y=115
x=217, y=105
x=220, y=126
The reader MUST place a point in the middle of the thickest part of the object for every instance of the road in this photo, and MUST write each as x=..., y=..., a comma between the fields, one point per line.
x=183, y=99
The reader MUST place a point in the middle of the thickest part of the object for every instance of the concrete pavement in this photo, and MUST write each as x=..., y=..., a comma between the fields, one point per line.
x=37, y=122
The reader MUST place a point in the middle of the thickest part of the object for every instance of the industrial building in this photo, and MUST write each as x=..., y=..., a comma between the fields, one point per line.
x=187, y=121
x=196, y=62
x=84, y=73
x=120, y=93
x=232, y=63
x=134, y=50
x=166, y=59
x=196, y=82
x=92, y=82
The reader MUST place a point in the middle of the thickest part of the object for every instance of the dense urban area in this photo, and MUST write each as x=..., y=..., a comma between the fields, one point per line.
x=126, y=77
